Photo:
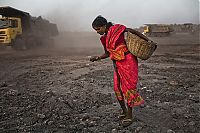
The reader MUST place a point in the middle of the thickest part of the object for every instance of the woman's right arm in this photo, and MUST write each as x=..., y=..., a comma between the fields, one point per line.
x=105, y=55
x=96, y=58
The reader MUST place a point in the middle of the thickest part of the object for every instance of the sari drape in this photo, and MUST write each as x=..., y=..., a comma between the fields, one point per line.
x=125, y=64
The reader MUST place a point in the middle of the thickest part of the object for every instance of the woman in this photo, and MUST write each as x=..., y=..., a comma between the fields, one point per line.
x=125, y=65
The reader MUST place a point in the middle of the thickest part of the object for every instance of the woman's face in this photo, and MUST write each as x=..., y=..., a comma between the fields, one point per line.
x=100, y=30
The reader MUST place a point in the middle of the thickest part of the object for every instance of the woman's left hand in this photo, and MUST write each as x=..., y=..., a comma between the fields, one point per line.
x=94, y=58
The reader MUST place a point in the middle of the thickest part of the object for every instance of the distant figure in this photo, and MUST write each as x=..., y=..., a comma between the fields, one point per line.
x=125, y=65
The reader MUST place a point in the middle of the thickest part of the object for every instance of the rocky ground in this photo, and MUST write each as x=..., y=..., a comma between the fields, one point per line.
x=59, y=90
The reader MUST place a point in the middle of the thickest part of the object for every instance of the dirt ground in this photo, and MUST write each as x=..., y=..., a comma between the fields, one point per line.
x=59, y=90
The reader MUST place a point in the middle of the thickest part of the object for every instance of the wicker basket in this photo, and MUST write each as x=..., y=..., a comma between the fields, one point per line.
x=140, y=47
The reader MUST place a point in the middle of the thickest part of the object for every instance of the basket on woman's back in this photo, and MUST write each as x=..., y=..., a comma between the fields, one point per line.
x=140, y=47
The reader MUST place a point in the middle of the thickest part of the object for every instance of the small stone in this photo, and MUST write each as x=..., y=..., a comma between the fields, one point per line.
x=142, y=105
x=143, y=88
x=83, y=123
x=155, y=80
x=186, y=116
x=50, y=83
x=114, y=131
x=147, y=106
x=192, y=123
x=149, y=91
x=96, y=118
x=92, y=123
x=84, y=130
x=173, y=83
x=51, y=93
x=50, y=122
x=166, y=103
x=13, y=92
x=74, y=100
x=115, y=104
x=170, y=131
x=177, y=112
x=60, y=72
x=138, y=129
x=62, y=125
x=3, y=84
x=41, y=116
x=85, y=117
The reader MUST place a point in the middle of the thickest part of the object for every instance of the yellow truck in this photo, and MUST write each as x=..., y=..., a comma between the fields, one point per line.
x=22, y=31
x=157, y=30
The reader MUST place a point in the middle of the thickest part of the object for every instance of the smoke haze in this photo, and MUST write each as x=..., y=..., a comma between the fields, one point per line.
x=77, y=15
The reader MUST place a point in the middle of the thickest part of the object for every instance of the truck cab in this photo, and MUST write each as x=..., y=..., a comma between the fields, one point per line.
x=10, y=28
x=146, y=29
x=20, y=30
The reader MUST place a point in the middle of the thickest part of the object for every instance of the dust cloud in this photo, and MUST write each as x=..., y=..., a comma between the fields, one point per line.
x=74, y=18
x=78, y=15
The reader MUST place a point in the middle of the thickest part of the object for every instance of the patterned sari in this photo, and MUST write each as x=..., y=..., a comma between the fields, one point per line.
x=125, y=64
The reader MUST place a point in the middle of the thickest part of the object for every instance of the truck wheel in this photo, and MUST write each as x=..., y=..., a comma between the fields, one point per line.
x=19, y=44
x=2, y=47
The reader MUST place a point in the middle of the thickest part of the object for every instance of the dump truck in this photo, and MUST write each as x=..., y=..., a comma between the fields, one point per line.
x=20, y=30
x=157, y=30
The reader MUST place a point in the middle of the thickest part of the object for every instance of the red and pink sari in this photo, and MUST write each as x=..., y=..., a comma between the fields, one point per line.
x=125, y=64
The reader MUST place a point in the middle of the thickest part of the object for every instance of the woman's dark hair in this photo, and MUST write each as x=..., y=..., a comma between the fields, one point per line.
x=109, y=24
x=100, y=21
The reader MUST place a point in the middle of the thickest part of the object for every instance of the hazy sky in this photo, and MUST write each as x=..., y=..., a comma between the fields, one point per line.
x=77, y=15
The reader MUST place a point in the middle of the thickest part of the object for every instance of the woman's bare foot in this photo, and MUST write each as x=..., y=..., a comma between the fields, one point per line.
x=122, y=115
x=126, y=121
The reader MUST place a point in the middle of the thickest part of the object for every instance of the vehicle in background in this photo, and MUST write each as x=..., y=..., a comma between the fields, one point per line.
x=157, y=30
x=22, y=31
